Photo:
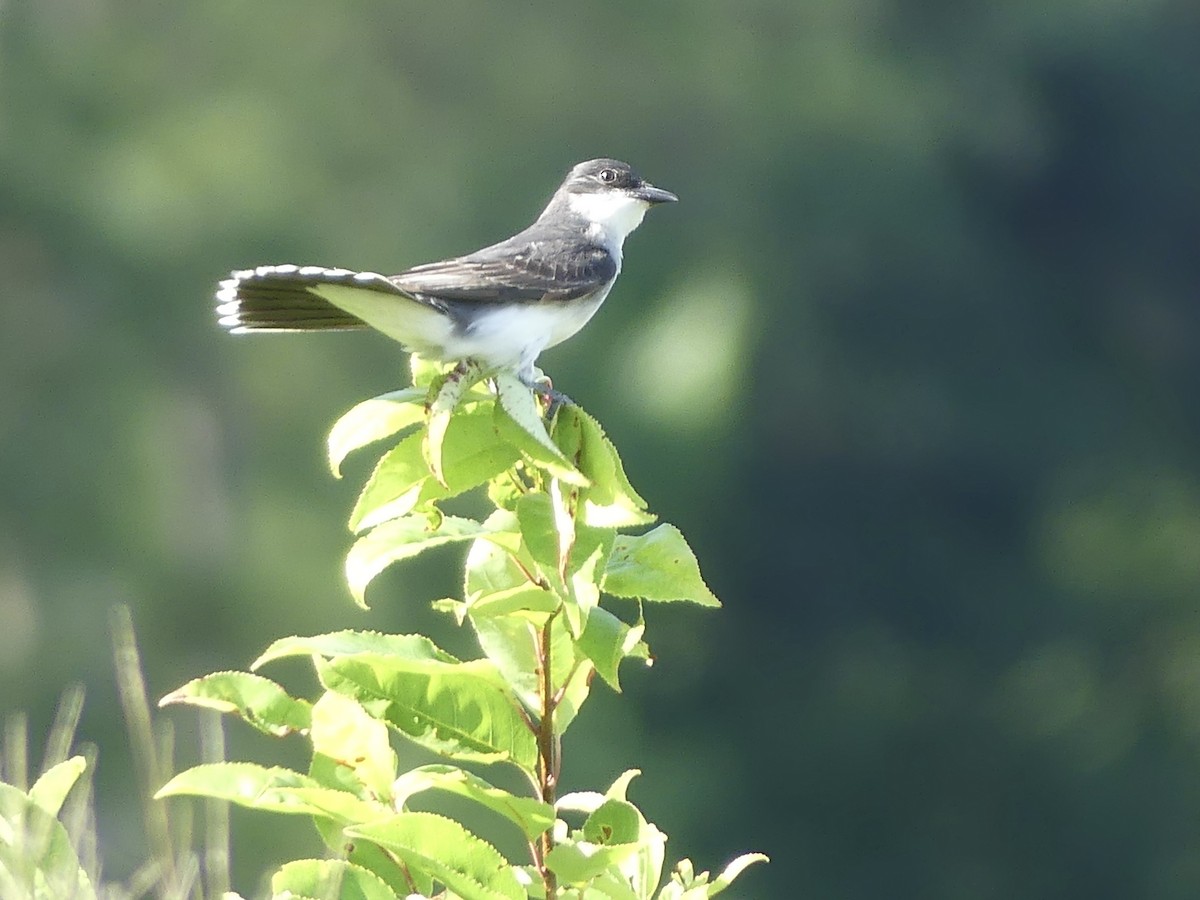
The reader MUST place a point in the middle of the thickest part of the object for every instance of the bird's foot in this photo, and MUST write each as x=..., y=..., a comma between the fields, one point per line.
x=554, y=400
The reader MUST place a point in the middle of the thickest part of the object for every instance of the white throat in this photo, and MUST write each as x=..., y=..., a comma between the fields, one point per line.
x=611, y=216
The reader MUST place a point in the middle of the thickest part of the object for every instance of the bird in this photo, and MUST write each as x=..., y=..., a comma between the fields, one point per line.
x=499, y=307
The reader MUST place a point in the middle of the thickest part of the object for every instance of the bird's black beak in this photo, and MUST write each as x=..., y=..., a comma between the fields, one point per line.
x=648, y=192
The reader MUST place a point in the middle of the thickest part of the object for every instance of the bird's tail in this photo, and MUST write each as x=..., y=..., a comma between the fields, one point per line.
x=281, y=298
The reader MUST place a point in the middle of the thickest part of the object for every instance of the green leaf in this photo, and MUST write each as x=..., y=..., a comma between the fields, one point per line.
x=36, y=857
x=373, y=420
x=614, y=822
x=586, y=566
x=467, y=865
x=338, y=806
x=580, y=801
x=532, y=816
x=611, y=502
x=522, y=598
x=572, y=696
x=395, y=486
x=260, y=701
x=445, y=401
x=606, y=640
x=348, y=642
x=343, y=731
x=612, y=818
x=620, y=787
x=642, y=868
x=272, y=790
x=535, y=513
x=491, y=564
x=578, y=862
x=50, y=790
x=401, y=539
x=590, y=550
x=471, y=453
x=501, y=574
x=733, y=870
x=403, y=882
x=426, y=371
x=238, y=782
x=519, y=420
x=245, y=784
x=611, y=885
x=505, y=489
x=461, y=710
x=658, y=566
x=329, y=878
x=547, y=531
x=512, y=643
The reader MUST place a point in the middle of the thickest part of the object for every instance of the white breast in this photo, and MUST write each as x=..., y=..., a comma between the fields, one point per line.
x=513, y=336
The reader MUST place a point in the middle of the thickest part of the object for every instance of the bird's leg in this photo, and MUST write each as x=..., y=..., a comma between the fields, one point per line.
x=544, y=388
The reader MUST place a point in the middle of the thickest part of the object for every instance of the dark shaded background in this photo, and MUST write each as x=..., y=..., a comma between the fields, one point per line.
x=913, y=363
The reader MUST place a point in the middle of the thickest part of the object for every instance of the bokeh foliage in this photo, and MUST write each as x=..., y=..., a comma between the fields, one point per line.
x=913, y=362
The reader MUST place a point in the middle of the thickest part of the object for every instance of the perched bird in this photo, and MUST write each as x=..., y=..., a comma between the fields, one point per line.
x=500, y=306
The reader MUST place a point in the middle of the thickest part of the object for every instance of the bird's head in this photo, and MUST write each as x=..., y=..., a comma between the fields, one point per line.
x=610, y=196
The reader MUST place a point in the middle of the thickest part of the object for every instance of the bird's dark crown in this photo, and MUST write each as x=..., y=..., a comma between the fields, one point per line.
x=602, y=175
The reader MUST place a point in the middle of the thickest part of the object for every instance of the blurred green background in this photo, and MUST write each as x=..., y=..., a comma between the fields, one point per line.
x=913, y=363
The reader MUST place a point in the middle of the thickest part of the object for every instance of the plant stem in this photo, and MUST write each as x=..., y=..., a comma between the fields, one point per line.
x=548, y=764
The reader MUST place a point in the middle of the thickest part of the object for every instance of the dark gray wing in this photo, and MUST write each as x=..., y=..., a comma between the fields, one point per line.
x=516, y=271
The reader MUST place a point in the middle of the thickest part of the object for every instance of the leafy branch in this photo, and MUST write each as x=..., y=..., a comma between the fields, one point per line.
x=537, y=566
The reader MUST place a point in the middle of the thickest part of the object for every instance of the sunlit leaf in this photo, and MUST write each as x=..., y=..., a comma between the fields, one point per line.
x=505, y=489
x=733, y=870
x=611, y=885
x=461, y=710
x=523, y=598
x=400, y=539
x=441, y=409
x=372, y=420
x=51, y=788
x=531, y=816
x=444, y=849
x=659, y=566
x=426, y=371
x=513, y=643
x=343, y=731
x=394, y=486
x=37, y=859
x=643, y=869
x=519, y=420
x=337, y=805
x=611, y=501
x=572, y=695
x=329, y=878
x=471, y=453
x=619, y=789
x=246, y=784
x=260, y=701
x=492, y=562
x=578, y=862
x=613, y=822
x=548, y=531
x=589, y=550
x=606, y=640
x=348, y=642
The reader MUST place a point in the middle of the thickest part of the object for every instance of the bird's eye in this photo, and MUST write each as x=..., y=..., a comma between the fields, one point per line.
x=608, y=176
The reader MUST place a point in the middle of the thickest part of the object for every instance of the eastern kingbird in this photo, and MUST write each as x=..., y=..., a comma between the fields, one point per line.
x=501, y=306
